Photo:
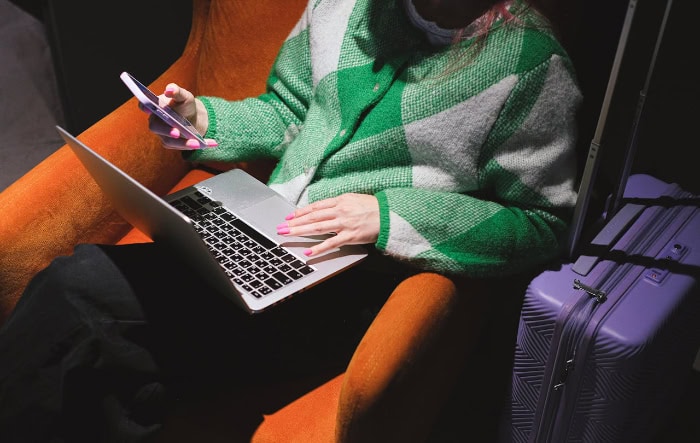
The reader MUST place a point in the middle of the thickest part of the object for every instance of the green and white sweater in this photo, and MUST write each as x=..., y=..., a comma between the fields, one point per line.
x=471, y=159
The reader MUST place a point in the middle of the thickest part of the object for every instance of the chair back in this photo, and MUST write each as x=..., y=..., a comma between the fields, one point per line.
x=239, y=42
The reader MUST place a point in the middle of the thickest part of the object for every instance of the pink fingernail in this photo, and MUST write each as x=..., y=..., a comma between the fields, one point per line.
x=212, y=143
x=282, y=231
x=174, y=133
x=290, y=216
x=308, y=252
x=170, y=89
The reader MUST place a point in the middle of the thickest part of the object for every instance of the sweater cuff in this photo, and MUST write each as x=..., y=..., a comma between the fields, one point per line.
x=384, y=221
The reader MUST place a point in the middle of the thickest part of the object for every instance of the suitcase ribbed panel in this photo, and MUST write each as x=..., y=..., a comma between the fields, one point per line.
x=538, y=319
x=622, y=396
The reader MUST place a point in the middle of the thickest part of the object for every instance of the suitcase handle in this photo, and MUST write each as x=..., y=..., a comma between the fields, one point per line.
x=608, y=236
x=591, y=167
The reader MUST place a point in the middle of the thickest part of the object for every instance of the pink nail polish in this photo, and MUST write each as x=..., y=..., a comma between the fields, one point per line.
x=290, y=216
x=308, y=252
x=282, y=231
x=282, y=225
x=170, y=89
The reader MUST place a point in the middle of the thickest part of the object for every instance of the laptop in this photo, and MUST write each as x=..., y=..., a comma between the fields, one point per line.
x=226, y=229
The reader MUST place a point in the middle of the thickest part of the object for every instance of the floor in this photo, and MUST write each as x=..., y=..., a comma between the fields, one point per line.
x=29, y=101
x=30, y=108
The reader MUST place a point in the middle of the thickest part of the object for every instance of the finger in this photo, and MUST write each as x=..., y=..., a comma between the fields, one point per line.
x=176, y=94
x=193, y=143
x=317, y=216
x=306, y=219
x=187, y=144
x=172, y=137
x=143, y=108
x=171, y=89
x=169, y=97
x=315, y=206
x=159, y=127
x=176, y=143
x=328, y=244
x=313, y=223
x=320, y=228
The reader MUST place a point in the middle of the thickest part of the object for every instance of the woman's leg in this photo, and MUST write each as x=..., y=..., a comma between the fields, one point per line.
x=65, y=352
x=98, y=335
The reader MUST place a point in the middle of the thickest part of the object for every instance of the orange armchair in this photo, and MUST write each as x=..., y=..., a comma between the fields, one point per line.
x=403, y=371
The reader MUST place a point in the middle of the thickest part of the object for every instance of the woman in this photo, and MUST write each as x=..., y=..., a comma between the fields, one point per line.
x=439, y=132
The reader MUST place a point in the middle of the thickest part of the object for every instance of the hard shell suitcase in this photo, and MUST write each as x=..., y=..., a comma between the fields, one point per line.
x=606, y=341
x=604, y=344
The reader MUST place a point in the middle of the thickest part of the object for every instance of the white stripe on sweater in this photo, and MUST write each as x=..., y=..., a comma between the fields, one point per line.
x=404, y=240
x=546, y=165
x=327, y=35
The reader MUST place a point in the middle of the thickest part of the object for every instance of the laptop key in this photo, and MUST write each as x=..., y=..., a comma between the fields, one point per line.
x=282, y=278
x=272, y=283
x=306, y=270
x=295, y=275
x=255, y=235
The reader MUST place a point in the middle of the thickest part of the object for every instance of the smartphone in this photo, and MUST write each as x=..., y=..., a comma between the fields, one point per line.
x=150, y=101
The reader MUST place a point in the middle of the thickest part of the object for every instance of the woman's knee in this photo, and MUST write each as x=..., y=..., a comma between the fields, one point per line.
x=84, y=280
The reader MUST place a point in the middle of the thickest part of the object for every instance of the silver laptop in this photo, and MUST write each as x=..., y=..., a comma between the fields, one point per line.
x=226, y=228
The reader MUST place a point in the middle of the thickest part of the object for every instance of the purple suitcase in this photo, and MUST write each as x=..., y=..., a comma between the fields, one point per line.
x=606, y=342
x=601, y=357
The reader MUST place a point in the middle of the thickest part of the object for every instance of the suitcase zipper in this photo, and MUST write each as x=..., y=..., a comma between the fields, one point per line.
x=571, y=337
x=573, y=328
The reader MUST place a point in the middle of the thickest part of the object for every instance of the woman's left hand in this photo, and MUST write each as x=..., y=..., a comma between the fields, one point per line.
x=353, y=218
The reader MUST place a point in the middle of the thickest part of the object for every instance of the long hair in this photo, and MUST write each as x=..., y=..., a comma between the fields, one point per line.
x=499, y=15
x=502, y=11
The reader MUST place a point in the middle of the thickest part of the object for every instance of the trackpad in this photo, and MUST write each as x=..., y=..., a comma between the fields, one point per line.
x=267, y=214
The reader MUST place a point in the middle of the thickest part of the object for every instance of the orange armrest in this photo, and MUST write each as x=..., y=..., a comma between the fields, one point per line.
x=408, y=360
x=57, y=205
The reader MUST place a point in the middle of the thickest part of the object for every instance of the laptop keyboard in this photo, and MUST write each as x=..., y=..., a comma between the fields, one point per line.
x=252, y=261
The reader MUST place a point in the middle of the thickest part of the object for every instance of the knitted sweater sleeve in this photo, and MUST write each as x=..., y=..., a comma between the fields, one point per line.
x=519, y=215
x=261, y=127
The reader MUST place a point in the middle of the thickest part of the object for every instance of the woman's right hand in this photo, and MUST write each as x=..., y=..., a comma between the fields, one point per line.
x=184, y=103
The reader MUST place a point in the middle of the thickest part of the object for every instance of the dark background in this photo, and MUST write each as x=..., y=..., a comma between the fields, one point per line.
x=60, y=63
x=92, y=42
